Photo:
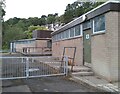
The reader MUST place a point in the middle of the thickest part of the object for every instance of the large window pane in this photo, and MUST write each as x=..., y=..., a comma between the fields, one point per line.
x=67, y=32
x=77, y=30
x=63, y=35
x=72, y=32
x=99, y=23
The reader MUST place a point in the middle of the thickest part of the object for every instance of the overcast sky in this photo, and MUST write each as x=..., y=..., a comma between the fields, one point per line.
x=34, y=8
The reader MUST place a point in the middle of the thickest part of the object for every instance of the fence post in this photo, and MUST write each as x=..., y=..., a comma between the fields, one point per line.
x=27, y=67
x=66, y=65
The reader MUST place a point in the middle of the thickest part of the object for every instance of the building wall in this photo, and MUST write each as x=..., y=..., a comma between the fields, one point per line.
x=104, y=49
x=58, y=47
x=112, y=30
x=36, y=44
x=19, y=47
x=41, y=43
x=42, y=34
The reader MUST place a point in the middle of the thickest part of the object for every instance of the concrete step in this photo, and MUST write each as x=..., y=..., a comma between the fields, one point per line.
x=82, y=73
x=81, y=69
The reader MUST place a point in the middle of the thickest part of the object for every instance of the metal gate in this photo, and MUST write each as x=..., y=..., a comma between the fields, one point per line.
x=28, y=67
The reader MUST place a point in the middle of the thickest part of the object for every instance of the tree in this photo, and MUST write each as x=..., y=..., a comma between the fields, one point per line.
x=43, y=20
x=34, y=21
x=76, y=9
x=13, y=21
x=2, y=6
x=3, y=12
x=28, y=33
x=10, y=34
x=51, y=19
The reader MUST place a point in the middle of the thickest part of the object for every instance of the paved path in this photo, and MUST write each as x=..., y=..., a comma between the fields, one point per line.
x=45, y=84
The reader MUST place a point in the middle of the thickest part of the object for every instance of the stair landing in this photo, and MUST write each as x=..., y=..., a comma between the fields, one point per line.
x=81, y=71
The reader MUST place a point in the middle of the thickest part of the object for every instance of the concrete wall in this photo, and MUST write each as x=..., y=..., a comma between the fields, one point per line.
x=41, y=43
x=57, y=49
x=19, y=47
x=36, y=43
x=104, y=49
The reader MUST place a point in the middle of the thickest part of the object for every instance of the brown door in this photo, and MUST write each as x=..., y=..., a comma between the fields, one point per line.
x=87, y=47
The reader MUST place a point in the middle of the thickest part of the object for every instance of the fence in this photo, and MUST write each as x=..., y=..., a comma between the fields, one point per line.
x=27, y=67
x=37, y=50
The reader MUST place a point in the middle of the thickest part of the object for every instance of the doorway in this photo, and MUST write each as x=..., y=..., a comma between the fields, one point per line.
x=87, y=47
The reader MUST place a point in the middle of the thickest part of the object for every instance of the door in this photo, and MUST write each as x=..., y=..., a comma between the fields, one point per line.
x=87, y=47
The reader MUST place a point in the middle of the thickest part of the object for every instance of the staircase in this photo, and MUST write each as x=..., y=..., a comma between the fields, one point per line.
x=81, y=71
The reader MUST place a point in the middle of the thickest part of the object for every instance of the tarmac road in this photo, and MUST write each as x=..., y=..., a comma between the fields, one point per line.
x=45, y=84
x=56, y=84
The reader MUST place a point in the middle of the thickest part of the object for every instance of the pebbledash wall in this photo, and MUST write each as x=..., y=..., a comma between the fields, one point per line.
x=103, y=23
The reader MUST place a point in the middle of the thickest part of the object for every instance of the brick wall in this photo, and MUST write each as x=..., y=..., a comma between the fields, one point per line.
x=19, y=47
x=41, y=43
x=104, y=49
x=59, y=46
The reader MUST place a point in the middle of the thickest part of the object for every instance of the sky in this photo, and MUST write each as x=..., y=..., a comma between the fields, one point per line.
x=34, y=8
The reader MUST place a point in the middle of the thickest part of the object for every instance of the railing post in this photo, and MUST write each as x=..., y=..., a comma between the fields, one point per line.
x=66, y=65
x=27, y=67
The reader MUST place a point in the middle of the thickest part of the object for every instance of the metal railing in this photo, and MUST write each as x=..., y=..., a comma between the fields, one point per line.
x=37, y=50
x=27, y=67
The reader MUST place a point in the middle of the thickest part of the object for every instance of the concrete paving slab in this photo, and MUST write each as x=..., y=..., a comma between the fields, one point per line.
x=22, y=88
x=7, y=83
x=96, y=82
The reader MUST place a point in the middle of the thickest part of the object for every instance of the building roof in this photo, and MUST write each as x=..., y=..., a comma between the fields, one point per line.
x=103, y=8
x=43, y=30
x=33, y=39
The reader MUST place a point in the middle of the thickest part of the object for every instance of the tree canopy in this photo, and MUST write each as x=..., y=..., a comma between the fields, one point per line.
x=76, y=9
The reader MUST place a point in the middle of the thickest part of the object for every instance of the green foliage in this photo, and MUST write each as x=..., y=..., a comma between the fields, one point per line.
x=28, y=33
x=10, y=34
x=3, y=12
x=51, y=19
x=31, y=28
x=76, y=9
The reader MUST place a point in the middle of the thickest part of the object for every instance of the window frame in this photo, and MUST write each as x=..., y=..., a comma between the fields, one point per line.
x=72, y=32
x=101, y=31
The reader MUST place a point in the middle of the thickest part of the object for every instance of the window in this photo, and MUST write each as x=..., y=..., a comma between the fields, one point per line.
x=99, y=24
x=49, y=44
x=67, y=32
x=72, y=32
x=62, y=35
x=55, y=37
x=59, y=36
x=77, y=30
